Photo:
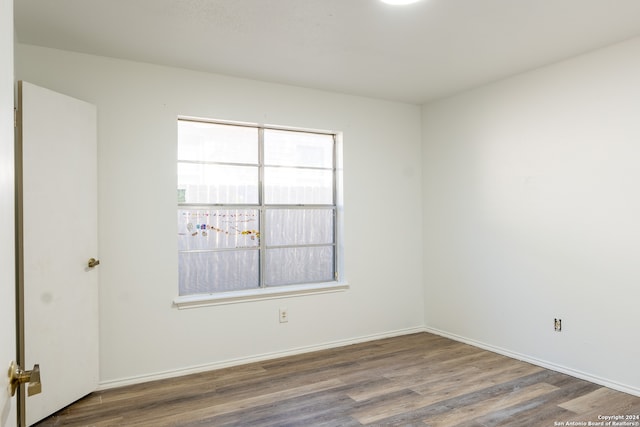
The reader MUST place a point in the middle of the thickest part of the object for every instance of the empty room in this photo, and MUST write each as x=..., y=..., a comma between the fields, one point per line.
x=320, y=212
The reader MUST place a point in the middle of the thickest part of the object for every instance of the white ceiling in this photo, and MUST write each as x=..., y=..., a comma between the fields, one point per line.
x=412, y=53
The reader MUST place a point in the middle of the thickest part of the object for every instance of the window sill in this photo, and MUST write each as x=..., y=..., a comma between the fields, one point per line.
x=204, y=300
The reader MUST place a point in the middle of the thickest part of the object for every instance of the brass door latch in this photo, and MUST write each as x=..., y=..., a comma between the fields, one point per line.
x=18, y=376
x=93, y=262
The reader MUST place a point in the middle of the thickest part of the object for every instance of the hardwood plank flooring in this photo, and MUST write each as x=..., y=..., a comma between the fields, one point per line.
x=412, y=380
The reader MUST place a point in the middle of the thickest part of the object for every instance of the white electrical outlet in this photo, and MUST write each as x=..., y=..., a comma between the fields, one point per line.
x=284, y=315
x=557, y=325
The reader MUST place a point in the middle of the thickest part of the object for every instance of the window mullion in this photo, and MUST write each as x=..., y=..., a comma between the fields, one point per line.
x=335, y=208
x=263, y=252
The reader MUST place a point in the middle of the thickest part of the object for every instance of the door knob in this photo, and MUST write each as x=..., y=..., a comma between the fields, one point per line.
x=93, y=262
x=18, y=376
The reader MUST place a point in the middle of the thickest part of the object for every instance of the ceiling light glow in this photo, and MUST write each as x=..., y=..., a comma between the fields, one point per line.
x=399, y=2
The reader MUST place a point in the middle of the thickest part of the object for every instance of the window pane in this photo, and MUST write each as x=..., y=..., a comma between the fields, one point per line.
x=287, y=148
x=291, y=186
x=207, y=272
x=211, y=142
x=287, y=266
x=199, y=183
x=200, y=229
x=299, y=226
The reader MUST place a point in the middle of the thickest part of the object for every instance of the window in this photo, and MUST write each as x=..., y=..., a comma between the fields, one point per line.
x=257, y=207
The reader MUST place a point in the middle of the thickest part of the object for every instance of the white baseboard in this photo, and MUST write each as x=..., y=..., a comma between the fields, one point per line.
x=542, y=363
x=104, y=385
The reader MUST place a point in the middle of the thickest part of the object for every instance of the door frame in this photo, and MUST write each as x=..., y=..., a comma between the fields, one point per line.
x=19, y=223
x=8, y=412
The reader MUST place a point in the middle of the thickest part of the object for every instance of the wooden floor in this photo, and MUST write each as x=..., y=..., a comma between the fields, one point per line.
x=413, y=380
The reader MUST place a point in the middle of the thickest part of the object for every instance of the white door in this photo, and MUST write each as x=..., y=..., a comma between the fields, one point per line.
x=59, y=236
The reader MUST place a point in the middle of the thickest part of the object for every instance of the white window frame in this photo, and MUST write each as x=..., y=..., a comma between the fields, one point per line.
x=284, y=291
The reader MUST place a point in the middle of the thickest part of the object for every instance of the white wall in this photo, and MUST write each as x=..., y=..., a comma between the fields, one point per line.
x=141, y=333
x=7, y=249
x=532, y=211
